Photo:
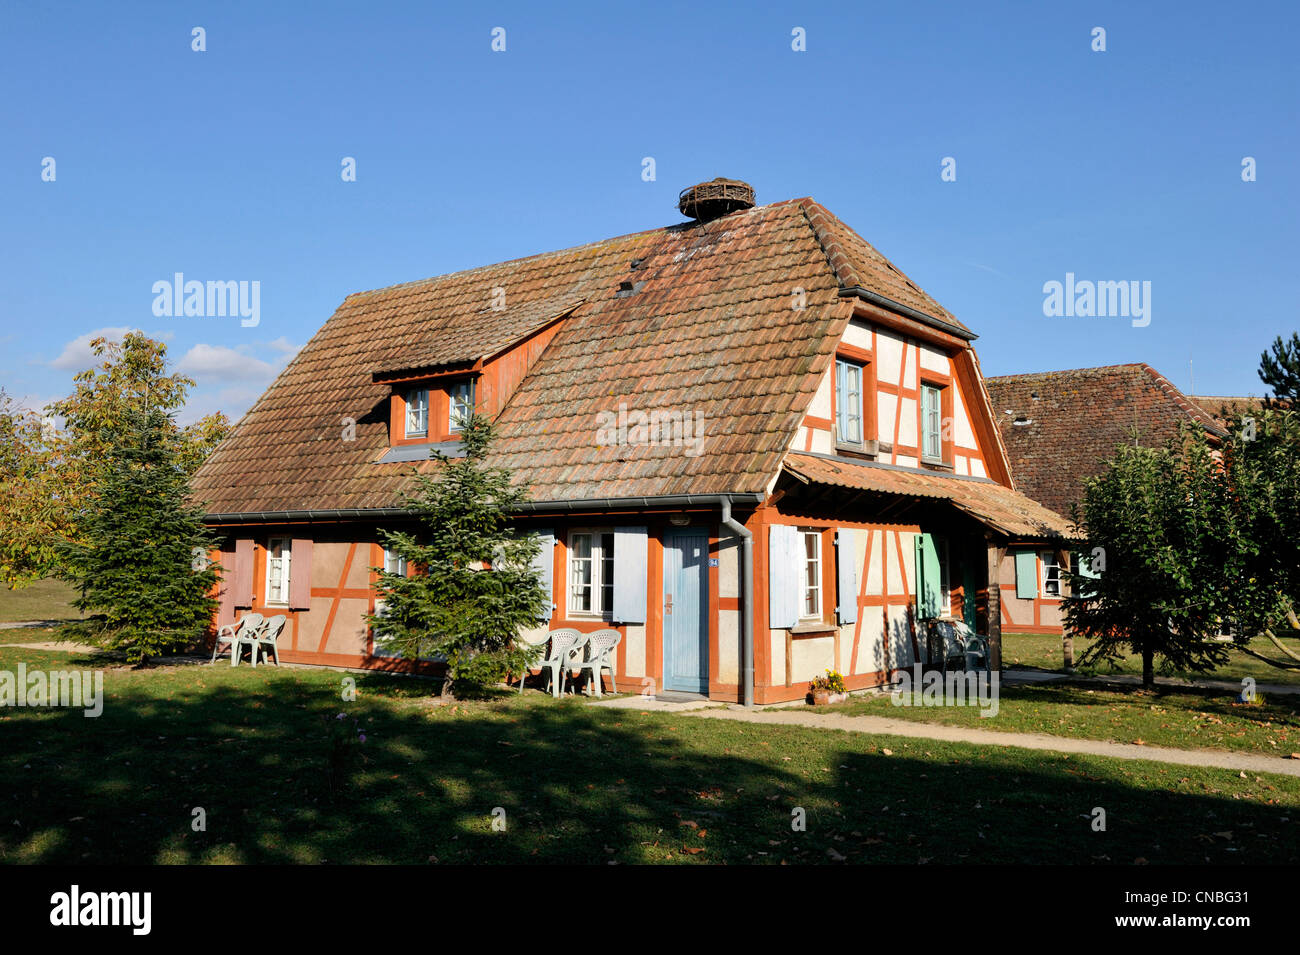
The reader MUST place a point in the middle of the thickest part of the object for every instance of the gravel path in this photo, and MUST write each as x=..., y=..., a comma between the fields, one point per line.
x=1221, y=759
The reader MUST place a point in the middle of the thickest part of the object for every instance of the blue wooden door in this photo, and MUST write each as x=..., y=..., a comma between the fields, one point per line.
x=686, y=608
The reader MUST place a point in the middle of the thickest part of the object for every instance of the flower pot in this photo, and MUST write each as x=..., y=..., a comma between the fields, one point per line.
x=821, y=697
x=838, y=698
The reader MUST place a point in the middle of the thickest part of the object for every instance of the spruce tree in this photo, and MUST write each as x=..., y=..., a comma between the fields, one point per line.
x=471, y=585
x=141, y=560
x=1281, y=369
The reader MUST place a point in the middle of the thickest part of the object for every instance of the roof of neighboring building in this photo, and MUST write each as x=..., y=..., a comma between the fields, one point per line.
x=707, y=328
x=988, y=502
x=1061, y=427
x=1223, y=407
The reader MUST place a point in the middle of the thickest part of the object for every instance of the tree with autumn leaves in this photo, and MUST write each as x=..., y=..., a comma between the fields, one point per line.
x=53, y=464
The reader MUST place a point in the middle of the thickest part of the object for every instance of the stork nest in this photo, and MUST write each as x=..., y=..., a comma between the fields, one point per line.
x=714, y=198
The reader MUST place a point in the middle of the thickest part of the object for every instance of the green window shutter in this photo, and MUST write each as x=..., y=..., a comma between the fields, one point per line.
x=1026, y=575
x=1083, y=566
x=929, y=593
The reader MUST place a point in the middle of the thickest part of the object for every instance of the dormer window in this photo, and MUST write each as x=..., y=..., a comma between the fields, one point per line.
x=460, y=405
x=417, y=413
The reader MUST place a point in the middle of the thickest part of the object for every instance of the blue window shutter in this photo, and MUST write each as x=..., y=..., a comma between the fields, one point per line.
x=783, y=575
x=929, y=584
x=846, y=560
x=630, y=545
x=1026, y=575
x=544, y=564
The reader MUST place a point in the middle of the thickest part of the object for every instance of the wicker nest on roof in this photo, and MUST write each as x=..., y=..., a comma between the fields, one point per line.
x=714, y=198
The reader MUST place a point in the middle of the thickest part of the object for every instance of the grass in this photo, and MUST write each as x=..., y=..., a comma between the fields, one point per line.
x=43, y=600
x=1043, y=652
x=1161, y=717
x=574, y=783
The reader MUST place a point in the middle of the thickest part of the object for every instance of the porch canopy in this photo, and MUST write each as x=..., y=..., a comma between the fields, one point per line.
x=999, y=508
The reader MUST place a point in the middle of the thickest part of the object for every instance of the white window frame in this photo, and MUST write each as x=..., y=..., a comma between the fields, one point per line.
x=844, y=403
x=1046, y=561
x=394, y=563
x=602, y=558
x=818, y=589
x=282, y=564
x=459, y=395
x=937, y=433
x=421, y=407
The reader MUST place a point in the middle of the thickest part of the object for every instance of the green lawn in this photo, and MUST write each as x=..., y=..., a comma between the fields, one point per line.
x=43, y=600
x=1043, y=652
x=1182, y=719
x=576, y=783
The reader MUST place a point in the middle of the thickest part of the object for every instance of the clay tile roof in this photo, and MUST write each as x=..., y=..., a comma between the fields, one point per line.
x=1223, y=407
x=707, y=330
x=1061, y=427
x=456, y=332
x=988, y=502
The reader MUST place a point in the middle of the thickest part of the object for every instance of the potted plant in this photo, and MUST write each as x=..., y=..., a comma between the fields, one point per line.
x=828, y=689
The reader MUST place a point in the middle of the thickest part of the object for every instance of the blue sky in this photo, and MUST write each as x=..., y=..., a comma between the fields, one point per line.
x=225, y=164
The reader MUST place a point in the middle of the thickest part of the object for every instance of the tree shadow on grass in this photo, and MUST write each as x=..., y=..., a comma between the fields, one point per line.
x=570, y=783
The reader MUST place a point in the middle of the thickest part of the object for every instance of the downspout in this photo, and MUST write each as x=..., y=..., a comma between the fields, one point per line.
x=747, y=604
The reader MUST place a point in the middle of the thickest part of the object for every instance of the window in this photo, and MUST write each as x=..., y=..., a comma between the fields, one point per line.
x=394, y=563
x=812, y=574
x=277, y=571
x=460, y=405
x=848, y=402
x=1051, y=574
x=931, y=423
x=417, y=413
x=591, y=572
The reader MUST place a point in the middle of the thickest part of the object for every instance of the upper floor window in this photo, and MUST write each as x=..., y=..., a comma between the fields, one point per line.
x=931, y=423
x=277, y=571
x=848, y=402
x=812, y=574
x=417, y=413
x=460, y=405
x=591, y=572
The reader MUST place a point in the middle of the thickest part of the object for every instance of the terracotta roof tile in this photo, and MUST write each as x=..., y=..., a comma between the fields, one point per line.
x=1070, y=423
x=987, y=501
x=710, y=329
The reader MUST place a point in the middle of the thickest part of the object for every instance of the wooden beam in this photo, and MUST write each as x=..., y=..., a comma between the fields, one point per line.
x=995, y=555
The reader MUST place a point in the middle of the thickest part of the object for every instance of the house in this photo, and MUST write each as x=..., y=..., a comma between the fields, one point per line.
x=1061, y=428
x=751, y=443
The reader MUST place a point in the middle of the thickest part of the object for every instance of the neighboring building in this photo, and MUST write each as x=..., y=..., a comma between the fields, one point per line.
x=1061, y=428
x=758, y=383
x=1223, y=407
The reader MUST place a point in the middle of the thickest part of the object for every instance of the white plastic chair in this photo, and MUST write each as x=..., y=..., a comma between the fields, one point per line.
x=265, y=637
x=962, y=643
x=601, y=654
x=248, y=623
x=565, y=643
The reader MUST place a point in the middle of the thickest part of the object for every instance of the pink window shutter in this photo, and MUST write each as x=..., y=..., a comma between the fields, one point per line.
x=226, y=590
x=243, y=573
x=300, y=574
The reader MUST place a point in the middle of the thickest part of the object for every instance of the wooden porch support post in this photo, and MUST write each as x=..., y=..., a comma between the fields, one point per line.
x=995, y=555
x=1067, y=638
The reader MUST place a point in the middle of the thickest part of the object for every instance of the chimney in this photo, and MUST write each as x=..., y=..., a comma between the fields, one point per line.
x=717, y=197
